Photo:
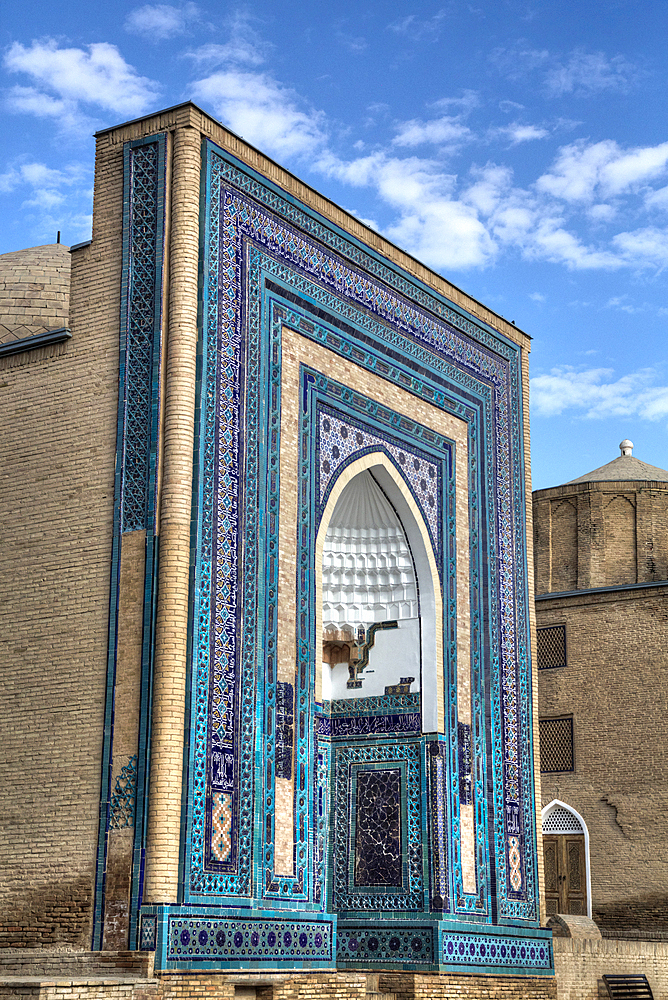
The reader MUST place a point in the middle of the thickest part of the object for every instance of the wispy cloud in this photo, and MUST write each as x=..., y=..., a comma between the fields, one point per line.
x=68, y=80
x=586, y=73
x=595, y=393
x=419, y=29
x=579, y=73
x=158, y=21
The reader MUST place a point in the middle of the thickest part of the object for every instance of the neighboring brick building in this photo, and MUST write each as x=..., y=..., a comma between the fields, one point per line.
x=272, y=598
x=601, y=563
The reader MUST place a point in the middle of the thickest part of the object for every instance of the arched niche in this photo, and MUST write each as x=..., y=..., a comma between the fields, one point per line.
x=428, y=627
x=558, y=819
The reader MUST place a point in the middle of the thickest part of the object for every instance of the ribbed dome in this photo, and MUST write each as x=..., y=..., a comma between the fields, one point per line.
x=367, y=569
x=34, y=291
x=624, y=468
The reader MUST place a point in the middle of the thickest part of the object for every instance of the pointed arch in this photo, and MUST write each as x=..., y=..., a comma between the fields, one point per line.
x=431, y=601
x=558, y=817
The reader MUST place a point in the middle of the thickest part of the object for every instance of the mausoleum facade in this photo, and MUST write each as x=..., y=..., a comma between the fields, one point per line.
x=312, y=706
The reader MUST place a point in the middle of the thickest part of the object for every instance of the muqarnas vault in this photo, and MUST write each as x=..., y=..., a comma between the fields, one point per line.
x=357, y=789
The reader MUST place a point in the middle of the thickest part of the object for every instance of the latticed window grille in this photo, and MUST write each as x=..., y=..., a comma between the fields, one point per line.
x=560, y=820
x=556, y=745
x=551, y=647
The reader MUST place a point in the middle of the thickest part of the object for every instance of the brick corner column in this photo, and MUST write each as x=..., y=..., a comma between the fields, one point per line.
x=169, y=678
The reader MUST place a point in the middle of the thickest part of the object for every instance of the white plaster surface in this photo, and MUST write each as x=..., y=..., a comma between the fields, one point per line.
x=395, y=654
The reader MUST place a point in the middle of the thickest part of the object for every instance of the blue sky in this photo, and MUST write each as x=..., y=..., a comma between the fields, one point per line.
x=519, y=148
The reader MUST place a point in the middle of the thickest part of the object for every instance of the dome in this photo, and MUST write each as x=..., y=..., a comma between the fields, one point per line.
x=34, y=291
x=622, y=469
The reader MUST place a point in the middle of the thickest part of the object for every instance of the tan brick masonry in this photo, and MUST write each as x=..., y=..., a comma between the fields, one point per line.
x=163, y=837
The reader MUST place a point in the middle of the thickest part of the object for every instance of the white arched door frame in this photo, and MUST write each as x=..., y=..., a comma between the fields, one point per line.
x=431, y=602
x=558, y=804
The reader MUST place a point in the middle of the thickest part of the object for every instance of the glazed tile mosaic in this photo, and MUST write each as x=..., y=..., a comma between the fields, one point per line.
x=498, y=952
x=316, y=357
x=413, y=945
x=196, y=939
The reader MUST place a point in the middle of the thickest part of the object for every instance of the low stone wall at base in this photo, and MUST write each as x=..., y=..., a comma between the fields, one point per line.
x=354, y=986
x=449, y=986
x=282, y=986
x=580, y=965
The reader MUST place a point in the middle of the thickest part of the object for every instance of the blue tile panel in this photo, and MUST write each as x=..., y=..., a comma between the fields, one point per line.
x=404, y=888
x=377, y=857
x=429, y=947
x=398, y=945
x=141, y=310
x=500, y=952
x=382, y=322
x=123, y=800
x=368, y=725
x=147, y=933
x=144, y=175
x=218, y=939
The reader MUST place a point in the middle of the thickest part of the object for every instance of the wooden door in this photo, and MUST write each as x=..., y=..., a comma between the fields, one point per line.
x=565, y=874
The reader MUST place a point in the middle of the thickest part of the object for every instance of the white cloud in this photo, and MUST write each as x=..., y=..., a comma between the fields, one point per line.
x=537, y=296
x=467, y=102
x=439, y=131
x=52, y=199
x=524, y=133
x=432, y=223
x=657, y=199
x=257, y=107
x=580, y=73
x=518, y=60
x=645, y=247
x=99, y=76
x=448, y=222
x=596, y=394
x=587, y=73
x=581, y=170
x=158, y=21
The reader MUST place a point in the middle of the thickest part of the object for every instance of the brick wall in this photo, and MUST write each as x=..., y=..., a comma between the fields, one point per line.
x=600, y=534
x=579, y=966
x=58, y=444
x=614, y=687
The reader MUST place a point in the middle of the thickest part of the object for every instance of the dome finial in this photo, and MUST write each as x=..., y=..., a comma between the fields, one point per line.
x=626, y=447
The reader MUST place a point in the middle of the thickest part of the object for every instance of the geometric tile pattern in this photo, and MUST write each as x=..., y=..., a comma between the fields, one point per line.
x=140, y=329
x=402, y=944
x=339, y=440
x=216, y=939
x=515, y=860
x=147, y=934
x=398, y=765
x=378, y=828
x=122, y=802
x=221, y=826
x=474, y=949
